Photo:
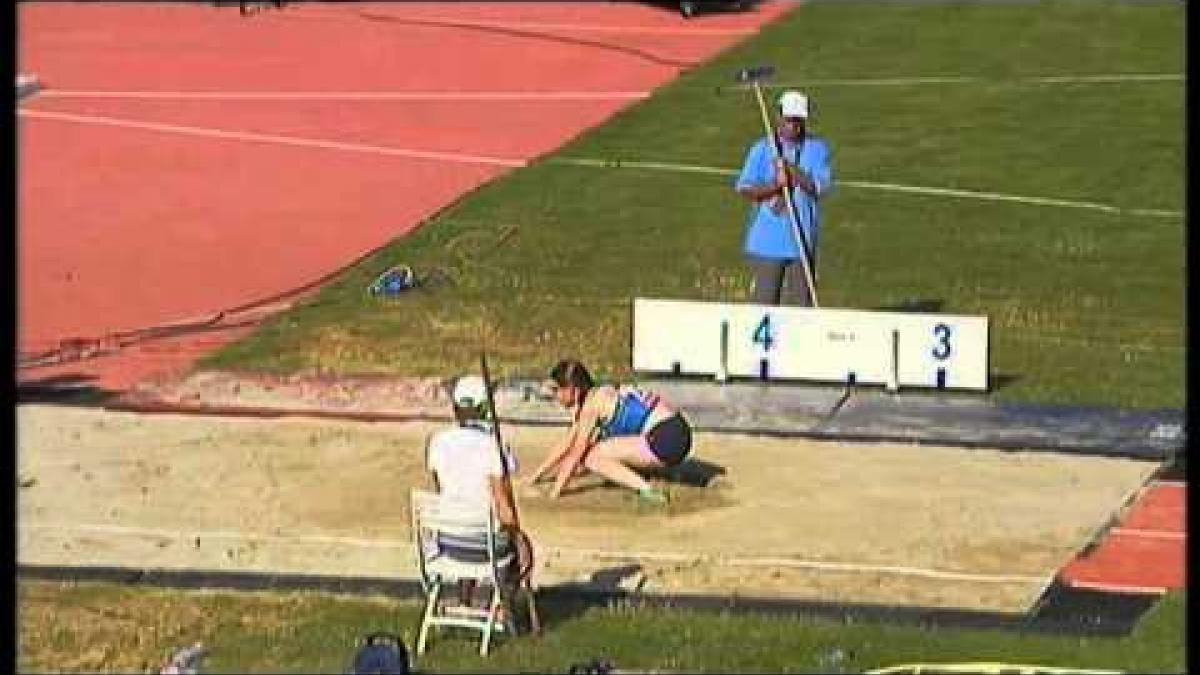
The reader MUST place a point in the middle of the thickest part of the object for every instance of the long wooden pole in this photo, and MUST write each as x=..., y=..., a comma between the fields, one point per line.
x=535, y=623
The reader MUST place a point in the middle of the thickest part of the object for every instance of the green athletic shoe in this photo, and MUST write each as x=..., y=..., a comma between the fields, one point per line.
x=652, y=496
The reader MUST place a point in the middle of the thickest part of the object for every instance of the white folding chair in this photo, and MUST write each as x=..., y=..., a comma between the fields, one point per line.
x=454, y=544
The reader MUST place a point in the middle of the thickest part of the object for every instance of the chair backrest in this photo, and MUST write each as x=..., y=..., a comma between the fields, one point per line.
x=454, y=541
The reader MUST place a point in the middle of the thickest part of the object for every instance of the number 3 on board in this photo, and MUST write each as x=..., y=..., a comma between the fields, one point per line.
x=763, y=335
x=941, y=350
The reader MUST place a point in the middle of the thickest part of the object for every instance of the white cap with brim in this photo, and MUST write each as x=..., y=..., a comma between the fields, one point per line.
x=793, y=104
x=469, y=392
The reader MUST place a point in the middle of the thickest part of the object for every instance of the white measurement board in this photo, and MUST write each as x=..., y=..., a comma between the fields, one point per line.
x=798, y=343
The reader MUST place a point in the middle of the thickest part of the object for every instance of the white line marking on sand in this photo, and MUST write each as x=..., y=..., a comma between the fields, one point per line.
x=492, y=96
x=122, y=530
x=296, y=141
x=727, y=561
x=810, y=564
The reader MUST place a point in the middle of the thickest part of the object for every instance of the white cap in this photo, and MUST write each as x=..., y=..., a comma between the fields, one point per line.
x=469, y=392
x=793, y=104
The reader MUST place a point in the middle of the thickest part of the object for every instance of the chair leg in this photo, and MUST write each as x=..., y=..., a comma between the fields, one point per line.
x=490, y=624
x=427, y=617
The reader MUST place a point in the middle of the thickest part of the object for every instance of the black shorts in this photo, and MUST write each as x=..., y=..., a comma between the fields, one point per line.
x=670, y=440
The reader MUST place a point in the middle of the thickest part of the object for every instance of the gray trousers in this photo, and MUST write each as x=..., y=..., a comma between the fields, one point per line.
x=779, y=282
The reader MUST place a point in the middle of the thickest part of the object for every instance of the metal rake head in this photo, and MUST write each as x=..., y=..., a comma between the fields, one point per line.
x=754, y=74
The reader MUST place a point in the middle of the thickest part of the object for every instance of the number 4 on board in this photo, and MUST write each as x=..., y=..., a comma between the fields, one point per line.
x=763, y=335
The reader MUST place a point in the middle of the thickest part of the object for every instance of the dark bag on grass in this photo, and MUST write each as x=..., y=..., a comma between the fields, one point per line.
x=381, y=653
x=394, y=281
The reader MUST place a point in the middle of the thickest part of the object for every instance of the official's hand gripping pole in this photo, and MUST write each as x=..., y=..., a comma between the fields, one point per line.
x=754, y=76
x=535, y=623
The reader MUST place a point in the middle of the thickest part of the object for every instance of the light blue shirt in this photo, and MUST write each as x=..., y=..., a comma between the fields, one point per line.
x=772, y=236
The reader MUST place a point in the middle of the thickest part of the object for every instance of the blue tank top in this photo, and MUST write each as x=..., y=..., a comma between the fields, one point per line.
x=630, y=414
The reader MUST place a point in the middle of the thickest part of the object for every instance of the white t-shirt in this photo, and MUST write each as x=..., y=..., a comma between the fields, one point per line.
x=463, y=459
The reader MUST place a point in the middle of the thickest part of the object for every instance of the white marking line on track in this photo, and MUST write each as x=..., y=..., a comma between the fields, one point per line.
x=668, y=557
x=493, y=96
x=296, y=141
x=573, y=161
x=946, y=192
x=1178, y=484
x=1149, y=534
x=1116, y=588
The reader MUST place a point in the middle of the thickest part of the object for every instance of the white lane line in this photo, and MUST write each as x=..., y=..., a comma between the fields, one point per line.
x=296, y=141
x=575, y=161
x=493, y=96
x=1117, y=588
x=1149, y=534
x=728, y=561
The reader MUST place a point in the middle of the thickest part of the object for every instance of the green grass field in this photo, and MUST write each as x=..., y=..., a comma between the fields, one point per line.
x=1086, y=305
x=59, y=626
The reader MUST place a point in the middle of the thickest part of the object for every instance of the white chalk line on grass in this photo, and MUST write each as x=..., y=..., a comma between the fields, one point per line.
x=660, y=166
x=1112, y=78
x=295, y=141
x=462, y=158
x=1000, y=197
x=491, y=96
x=893, y=187
x=726, y=561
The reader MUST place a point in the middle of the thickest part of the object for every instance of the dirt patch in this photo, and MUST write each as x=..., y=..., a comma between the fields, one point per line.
x=885, y=523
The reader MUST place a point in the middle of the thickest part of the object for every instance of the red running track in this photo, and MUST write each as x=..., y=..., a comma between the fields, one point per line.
x=182, y=160
x=1145, y=553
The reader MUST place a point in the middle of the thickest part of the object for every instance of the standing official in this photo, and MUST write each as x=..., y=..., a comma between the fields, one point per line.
x=775, y=253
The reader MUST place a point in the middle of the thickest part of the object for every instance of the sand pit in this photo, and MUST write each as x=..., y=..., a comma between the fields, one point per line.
x=878, y=523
